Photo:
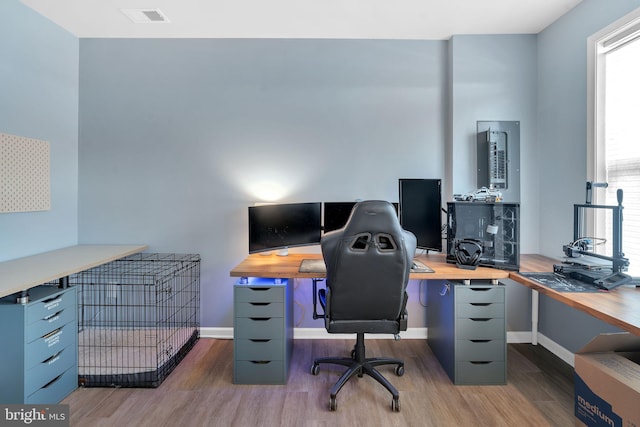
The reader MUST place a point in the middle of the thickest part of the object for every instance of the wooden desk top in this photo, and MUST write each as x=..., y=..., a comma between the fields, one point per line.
x=619, y=307
x=24, y=273
x=272, y=265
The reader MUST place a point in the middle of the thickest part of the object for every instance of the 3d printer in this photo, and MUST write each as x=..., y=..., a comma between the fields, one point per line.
x=582, y=261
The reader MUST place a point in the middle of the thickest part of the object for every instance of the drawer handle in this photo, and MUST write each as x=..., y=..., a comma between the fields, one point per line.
x=479, y=362
x=481, y=289
x=260, y=319
x=261, y=304
x=53, y=359
x=480, y=341
x=53, y=317
x=52, y=381
x=53, y=337
x=52, y=333
x=259, y=340
x=260, y=289
x=260, y=362
x=480, y=319
x=480, y=304
x=53, y=299
x=52, y=302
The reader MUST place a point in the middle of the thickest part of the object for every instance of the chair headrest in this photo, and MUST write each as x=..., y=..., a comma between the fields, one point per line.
x=373, y=216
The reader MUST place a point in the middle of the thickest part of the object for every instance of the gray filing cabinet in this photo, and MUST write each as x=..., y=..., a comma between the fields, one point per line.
x=467, y=331
x=39, y=358
x=262, y=331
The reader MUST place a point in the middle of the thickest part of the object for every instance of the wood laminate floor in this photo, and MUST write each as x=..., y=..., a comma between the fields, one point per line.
x=200, y=392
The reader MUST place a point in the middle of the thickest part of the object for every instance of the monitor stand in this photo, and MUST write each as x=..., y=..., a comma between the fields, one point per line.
x=283, y=252
x=279, y=252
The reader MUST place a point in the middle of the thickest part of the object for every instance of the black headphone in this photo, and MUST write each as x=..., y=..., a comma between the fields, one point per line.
x=468, y=253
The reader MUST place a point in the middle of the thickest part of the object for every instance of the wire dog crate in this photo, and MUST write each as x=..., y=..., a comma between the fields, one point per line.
x=138, y=318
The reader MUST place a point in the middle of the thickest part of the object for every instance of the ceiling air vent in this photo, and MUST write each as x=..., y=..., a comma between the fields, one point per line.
x=145, y=16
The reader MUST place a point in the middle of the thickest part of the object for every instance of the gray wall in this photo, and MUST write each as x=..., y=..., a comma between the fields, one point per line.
x=178, y=136
x=562, y=114
x=39, y=99
x=493, y=78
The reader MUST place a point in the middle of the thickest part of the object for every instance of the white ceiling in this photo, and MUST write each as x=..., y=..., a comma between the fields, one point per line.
x=341, y=19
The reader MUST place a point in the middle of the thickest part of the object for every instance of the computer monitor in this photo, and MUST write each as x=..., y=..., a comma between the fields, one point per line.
x=420, y=211
x=336, y=214
x=282, y=226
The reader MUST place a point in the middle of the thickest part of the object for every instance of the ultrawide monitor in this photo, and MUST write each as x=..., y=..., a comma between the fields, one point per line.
x=284, y=225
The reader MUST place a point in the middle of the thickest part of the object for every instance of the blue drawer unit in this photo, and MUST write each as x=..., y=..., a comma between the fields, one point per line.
x=39, y=360
x=262, y=331
x=467, y=331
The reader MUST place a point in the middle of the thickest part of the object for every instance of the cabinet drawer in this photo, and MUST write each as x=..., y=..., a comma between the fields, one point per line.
x=57, y=389
x=247, y=372
x=479, y=309
x=481, y=373
x=46, y=307
x=259, y=349
x=480, y=350
x=48, y=369
x=259, y=293
x=479, y=294
x=259, y=309
x=480, y=329
x=259, y=328
x=52, y=322
x=48, y=345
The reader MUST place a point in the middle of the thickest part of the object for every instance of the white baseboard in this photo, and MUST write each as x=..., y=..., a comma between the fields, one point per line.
x=321, y=333
x=517, y=337
x=557, y=349
x=313, y=333
x=513, y=337
x=218, y=333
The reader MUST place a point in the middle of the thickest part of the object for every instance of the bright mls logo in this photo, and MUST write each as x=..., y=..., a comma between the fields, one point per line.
x=34, y=415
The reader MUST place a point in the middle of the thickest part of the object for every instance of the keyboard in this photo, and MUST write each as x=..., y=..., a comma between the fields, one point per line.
x=419, y=267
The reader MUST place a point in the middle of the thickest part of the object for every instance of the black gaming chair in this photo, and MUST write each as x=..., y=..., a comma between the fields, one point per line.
x=368, y=263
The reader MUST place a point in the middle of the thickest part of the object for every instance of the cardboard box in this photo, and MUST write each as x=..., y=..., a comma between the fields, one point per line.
x=607, y=381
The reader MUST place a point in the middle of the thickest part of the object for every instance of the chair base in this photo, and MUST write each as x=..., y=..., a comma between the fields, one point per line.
x=359, y=365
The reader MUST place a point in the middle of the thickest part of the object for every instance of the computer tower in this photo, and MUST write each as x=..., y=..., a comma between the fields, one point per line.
x=493, y=226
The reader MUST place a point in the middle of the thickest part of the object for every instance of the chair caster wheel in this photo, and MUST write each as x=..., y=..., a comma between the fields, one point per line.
x=333, y=404
x=395, y=404
x=315, y=369
x=400, y=370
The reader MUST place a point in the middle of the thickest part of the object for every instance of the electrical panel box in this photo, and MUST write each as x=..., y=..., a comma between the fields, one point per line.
x=498, y=157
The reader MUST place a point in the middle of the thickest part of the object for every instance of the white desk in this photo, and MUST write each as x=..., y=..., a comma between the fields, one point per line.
x=24, y=273
x=40, y=362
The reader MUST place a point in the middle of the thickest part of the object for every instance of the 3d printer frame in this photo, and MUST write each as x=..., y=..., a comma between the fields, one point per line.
x=618, y=262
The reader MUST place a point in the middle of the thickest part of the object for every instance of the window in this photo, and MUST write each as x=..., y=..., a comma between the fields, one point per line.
x=614, y=131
